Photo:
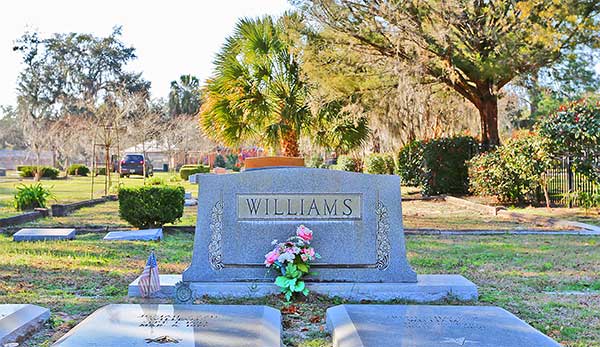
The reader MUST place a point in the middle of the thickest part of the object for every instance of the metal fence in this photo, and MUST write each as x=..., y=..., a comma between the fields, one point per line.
x=562, y=181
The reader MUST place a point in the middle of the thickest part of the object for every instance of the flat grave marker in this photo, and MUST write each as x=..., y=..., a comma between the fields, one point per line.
x=135, y=235
x=20, y=320
x=35, y=234
x=430, y=326
x=177, y=326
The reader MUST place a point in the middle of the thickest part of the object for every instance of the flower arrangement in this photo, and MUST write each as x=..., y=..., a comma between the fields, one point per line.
x=292, y=258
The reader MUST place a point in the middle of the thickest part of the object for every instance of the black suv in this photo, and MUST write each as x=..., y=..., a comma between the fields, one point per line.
x=133, y=164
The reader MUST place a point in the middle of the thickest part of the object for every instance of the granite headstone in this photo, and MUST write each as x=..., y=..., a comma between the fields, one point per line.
x=356, y=219
x=33, y=234
x=430, y=326
x=177, y=326
x=19, y=320
x=135, y=235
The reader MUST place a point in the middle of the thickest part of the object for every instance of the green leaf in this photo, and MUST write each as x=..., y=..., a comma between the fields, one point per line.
x=282, y=281
x=292, y=271
x=298, y=287
x=303, y=267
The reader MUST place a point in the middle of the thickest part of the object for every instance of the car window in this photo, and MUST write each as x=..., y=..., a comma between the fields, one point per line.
x=130, y=157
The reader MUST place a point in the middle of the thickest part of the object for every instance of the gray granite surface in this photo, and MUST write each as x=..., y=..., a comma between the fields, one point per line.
x=17, y=321
x=428, y=288
x=430, y=326
x=135, y=235
x=182, y=325
x=356, y=219
x=34, y=234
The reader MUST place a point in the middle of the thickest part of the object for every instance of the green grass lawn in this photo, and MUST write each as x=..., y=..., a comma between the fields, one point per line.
x=417, y=215
x=72, y=189
x=531, y=276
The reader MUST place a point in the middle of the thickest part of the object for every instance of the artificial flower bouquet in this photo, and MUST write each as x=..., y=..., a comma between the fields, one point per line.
x=292, y=258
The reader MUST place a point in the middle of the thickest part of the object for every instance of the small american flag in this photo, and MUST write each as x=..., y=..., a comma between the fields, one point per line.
x=149, y=282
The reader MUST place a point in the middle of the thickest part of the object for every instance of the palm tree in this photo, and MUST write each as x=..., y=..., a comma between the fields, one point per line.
x=257, y=93
x=184, y=97
x=338, y=129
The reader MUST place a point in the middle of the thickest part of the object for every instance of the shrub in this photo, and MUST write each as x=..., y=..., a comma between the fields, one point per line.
x=315, y=161
x=347, y=163
x=382, y=164
x=410, y=163
x=101, y=171
x=513, y=172
x=151, y=206
x=445, y=168
x=174, y=179
x=575, y=131
x=187, y=170
x=585, y=200
x=232, y=161
x=220, y=161
x=31, y=196
x=78, y=170
x=47, y=171
x=155, y=181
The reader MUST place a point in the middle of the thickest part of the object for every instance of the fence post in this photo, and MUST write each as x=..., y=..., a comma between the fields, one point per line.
x=570, y=180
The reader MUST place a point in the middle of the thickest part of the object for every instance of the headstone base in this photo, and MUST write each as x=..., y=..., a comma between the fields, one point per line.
x=428, y=288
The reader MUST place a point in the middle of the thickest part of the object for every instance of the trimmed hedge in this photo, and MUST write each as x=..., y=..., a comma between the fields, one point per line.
x=347, y=163
x=78, y=170
x=445, y=165
x=438, y=166
x=29, y=171
x=382, y=164
x=151, y=206
x=410, y=163
x=187, y=170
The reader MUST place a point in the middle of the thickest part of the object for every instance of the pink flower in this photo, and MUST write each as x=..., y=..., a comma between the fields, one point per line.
x=309, y=251
x=271, y=257
x=304, y=233
x=304, y=257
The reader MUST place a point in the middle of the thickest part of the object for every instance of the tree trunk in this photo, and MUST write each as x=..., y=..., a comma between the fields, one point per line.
x=67, y=166
x=488, y=113
x=289, y=144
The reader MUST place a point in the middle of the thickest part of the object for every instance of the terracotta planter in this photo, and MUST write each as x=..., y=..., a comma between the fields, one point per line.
x=261, y=162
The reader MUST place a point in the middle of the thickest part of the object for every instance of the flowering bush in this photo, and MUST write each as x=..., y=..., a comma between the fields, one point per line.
x=575, y=131
x=513, y=172
x=292, y=258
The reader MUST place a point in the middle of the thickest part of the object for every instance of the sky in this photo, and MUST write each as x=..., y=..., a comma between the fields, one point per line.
x=171, y=37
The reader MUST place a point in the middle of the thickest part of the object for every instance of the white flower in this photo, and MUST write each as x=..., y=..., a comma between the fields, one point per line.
x=286, y=257
x=274, y=242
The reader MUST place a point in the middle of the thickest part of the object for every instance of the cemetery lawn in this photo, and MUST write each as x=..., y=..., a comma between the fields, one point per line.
x=418, y=214
x=591, y=216
x=551, y=282
x=72, y=189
